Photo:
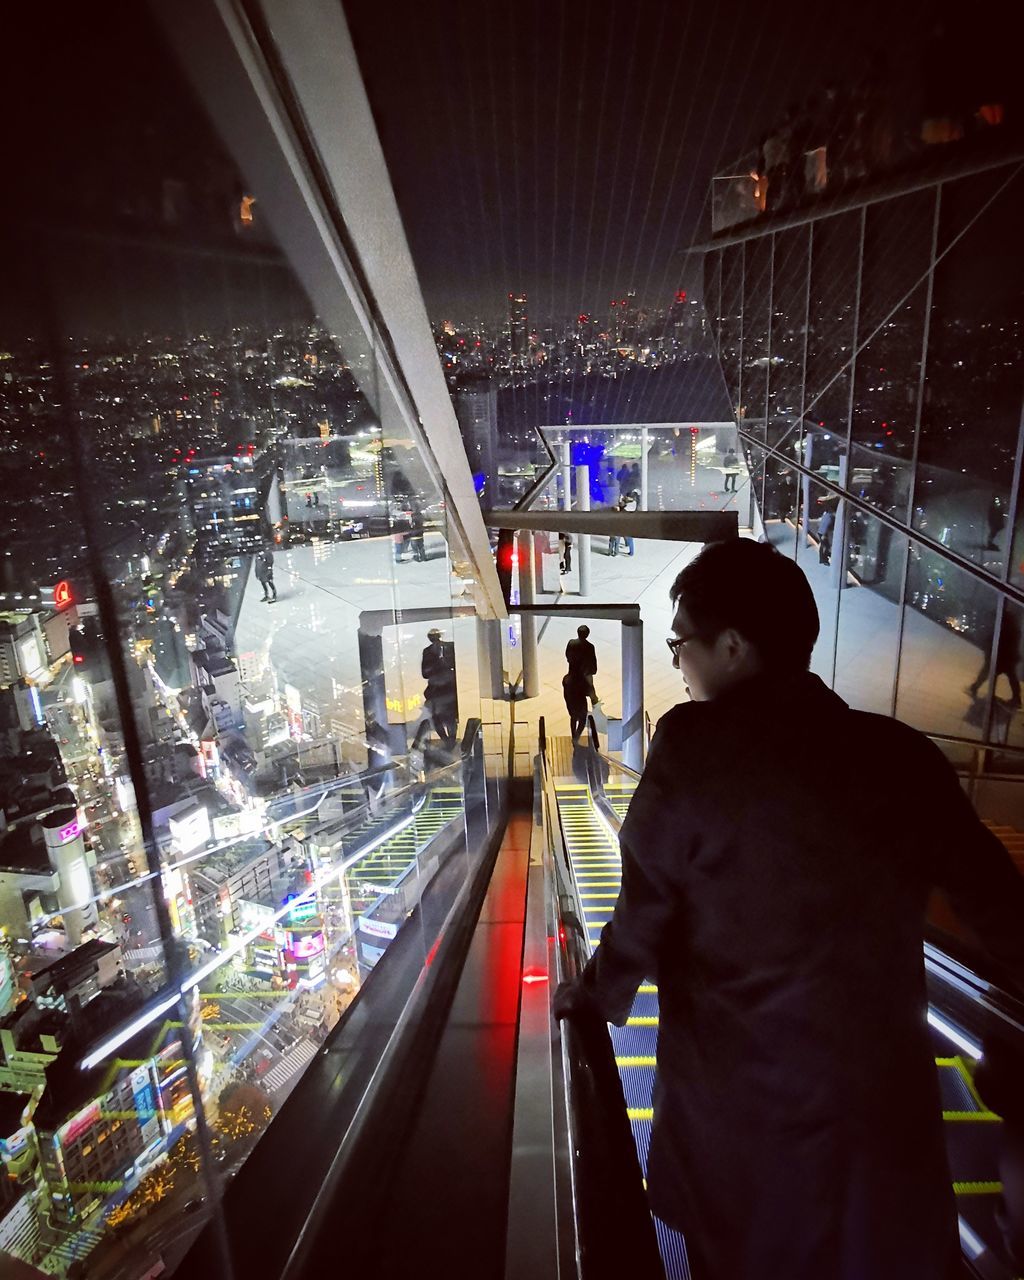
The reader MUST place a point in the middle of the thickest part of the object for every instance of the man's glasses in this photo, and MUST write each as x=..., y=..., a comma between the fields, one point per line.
x=676, y=642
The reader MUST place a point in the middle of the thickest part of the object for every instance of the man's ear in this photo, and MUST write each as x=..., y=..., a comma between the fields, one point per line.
x=737, y=646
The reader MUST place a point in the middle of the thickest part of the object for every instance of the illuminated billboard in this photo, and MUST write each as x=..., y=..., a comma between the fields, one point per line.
x=304, y=945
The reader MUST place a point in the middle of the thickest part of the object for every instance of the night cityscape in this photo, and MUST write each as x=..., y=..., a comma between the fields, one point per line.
x=261, y=660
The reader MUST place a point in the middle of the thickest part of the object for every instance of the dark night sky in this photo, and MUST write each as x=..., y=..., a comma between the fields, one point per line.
x=560, y=147
x=566, y=148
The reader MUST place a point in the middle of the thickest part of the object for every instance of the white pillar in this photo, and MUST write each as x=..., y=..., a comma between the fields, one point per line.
x=539, y=543
x=838, y=566
x=566, y=477
x=809, y=516
x=527, y=621
x=644, y=446
x=488, y=657
x=583, y=542
x=633, y=694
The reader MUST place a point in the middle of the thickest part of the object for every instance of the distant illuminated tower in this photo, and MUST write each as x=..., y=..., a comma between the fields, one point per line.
x=518, y=326
x=622, y=320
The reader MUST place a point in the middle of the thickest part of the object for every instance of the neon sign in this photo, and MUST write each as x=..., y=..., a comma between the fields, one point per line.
x=62, y=594
x=69, y=832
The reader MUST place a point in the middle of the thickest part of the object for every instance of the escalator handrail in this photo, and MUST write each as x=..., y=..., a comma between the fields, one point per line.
x=614, y=1226
x=595, y=746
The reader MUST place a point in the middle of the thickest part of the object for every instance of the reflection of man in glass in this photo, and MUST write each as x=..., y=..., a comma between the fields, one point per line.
x=1007, y=660
x=437, y=667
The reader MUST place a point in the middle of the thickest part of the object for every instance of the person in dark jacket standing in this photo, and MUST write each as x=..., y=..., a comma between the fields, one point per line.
x=582, y=659
x=437, y=667
x=783, y=926
x=264, y=570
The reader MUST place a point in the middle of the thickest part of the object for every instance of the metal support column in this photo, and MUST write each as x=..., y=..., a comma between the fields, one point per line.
x=488, y=657
x=633, y=694
x=371, y=671
x=527, y=622
x=539, y=544
x=583, y=504
x=644, y=486
x=566, y=476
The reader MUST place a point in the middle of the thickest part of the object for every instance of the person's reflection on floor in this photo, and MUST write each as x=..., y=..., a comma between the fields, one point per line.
x=1007, y=660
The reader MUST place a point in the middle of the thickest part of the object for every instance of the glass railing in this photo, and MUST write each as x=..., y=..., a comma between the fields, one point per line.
x=230, y=761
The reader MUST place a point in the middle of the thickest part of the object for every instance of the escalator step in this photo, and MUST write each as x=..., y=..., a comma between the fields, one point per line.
x=645, y=1005
x=634, y=1042
x=673, y=1252
x=973, y=1151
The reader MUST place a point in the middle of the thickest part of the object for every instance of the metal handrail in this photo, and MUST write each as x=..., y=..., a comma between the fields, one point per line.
x=614, y=1226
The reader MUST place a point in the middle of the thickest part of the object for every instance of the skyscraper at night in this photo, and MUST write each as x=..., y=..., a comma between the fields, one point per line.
x=518, y=325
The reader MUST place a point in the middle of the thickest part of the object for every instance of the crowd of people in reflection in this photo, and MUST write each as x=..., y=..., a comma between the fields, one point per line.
x=885, y=119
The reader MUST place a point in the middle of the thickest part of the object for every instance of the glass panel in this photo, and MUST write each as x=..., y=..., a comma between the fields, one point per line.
x=869, y=613
x=789, y=304
x=948, y=629
x=963, y=488
x=713, y=292
x=830, y=338
x=230, y=555
x=757, y=284
x=820, y=556
x=897, y=242
x=1004, y=724
x=731, y=319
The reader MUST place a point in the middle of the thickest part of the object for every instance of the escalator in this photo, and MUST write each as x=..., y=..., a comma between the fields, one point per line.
x=964, y=1009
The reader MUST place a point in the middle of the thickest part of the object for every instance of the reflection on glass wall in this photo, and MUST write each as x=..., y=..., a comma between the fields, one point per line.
x=855, y=307
x=238, y=671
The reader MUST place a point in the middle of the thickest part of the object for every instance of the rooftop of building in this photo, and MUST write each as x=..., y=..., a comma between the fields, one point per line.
x=68, y=1086
x=28, y=1023
x=66, y=968
x=12, y=1109
x=221, y=866
x=22, y=849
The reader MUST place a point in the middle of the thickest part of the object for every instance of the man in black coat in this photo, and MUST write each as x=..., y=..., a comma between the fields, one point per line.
x=780, y=906
x=437, y=667
x=582, y=659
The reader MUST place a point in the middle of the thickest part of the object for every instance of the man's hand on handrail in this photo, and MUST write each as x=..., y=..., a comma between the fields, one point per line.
x=573, y=1000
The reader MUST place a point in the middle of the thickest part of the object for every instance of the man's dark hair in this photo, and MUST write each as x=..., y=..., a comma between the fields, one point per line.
x=583, y=632
x=761, y=594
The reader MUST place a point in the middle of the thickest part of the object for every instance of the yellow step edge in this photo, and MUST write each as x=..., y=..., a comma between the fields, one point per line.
x=641, y=1022
x=589, y=897
x=648, y=988
x=640, y=1113
x=983, y=1117
x=977, y=1188
x=636, y=1062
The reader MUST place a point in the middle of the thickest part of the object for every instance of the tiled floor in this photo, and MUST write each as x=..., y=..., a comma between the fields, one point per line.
x=309, y=635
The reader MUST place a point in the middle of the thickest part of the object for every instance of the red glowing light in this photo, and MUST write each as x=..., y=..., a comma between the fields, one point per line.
x=62, y=594
x=78, y=659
